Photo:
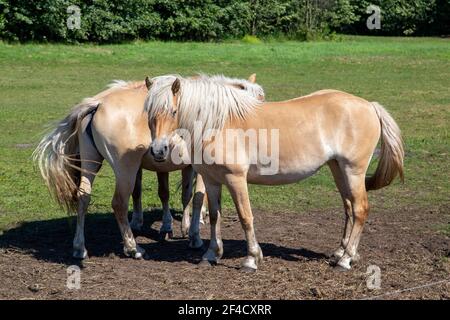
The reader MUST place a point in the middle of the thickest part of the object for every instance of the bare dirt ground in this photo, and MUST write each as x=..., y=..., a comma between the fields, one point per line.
x=406, y=244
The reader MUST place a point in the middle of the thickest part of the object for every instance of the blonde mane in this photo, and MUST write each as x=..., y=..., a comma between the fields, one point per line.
x=253, y=89
x=117, y=85
x=211, y=101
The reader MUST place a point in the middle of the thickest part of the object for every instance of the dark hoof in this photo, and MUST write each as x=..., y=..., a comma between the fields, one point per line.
x=80, y=254
x=165, y=235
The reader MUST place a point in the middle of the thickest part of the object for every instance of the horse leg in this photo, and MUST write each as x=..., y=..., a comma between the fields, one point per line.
x=195, y=241
x=360, y=211
x=200, y=188
x=341, y=184
x=91, y=162
x=137, y=219
x=125, y=178
x=187, y=175
x=239, y=192
x=163, y=193
x=215, y=250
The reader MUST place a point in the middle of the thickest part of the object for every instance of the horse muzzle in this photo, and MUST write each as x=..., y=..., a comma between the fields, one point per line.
x=159, y=151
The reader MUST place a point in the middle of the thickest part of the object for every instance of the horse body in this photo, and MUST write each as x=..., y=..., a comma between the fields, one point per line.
x=327, y=127
x=121, y=134
x=312, y=131
x=113, y=126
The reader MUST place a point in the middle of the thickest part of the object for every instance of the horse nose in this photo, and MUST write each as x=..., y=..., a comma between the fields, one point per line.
x=159, y=151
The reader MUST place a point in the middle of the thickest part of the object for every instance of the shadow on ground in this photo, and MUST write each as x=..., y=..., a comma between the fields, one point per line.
x=51, y=240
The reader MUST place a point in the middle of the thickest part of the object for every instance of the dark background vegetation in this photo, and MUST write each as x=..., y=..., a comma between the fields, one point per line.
x=208, y=20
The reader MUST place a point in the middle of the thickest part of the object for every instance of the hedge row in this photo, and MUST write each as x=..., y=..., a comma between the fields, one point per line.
x=206, y=20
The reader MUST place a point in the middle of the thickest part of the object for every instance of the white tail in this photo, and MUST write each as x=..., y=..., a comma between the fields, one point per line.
x=58, y=156
x=392, y=153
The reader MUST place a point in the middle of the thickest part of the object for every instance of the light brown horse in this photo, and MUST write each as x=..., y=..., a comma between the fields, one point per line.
x=113, y=126
x=327, y=127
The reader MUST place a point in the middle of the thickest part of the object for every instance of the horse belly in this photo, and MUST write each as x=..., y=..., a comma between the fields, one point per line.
x=285, y=174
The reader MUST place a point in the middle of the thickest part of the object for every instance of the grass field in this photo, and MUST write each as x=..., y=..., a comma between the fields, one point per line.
x=410, y=77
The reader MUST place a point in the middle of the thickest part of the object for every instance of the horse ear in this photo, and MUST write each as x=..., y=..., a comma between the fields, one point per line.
x=176, y=86
x=148, y=82
x=252, y=78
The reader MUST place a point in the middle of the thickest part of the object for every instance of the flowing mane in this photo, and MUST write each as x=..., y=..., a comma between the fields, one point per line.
x=208, y=100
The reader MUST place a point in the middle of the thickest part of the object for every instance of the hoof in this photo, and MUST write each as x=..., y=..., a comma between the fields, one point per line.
x=249, y=264
x=337, y=255
x=165, y=235
x=80, y=254
x=343, y=264
x=247, y=269
x=137, y=253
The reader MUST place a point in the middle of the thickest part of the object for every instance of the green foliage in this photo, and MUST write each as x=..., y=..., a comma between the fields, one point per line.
x=403, y=17
x=206, y=20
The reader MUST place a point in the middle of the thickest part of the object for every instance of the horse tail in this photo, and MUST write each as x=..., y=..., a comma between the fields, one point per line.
x=58, y=158
x=392, y=152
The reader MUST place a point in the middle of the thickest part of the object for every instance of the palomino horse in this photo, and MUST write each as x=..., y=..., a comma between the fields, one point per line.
x=327, y=127
x=113, y=126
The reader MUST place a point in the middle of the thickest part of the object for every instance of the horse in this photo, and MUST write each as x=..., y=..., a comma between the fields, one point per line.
x=112, y=126
x=328, y=127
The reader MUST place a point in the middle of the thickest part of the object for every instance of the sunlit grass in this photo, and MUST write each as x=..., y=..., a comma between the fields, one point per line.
x=410, y=77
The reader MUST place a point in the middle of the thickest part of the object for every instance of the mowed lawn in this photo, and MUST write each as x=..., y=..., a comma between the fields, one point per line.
x=409, y=76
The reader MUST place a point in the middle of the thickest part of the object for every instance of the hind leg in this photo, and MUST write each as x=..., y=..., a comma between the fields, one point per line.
x=187, y=176
x=163, y=192
x=137, y=219
x=359, y=214
x=339, y=179
x=91, y=162
x=125, y=172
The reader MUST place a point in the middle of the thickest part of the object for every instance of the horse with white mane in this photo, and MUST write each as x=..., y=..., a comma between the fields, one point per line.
x=113, y=126
x=327, y=127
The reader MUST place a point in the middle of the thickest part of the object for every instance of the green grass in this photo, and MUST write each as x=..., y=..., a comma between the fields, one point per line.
x=409, y=76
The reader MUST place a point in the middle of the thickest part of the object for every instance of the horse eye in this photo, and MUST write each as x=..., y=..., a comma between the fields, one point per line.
x=174, y=113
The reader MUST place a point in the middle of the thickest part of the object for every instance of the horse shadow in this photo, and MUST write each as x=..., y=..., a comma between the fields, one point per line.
x=51, y=241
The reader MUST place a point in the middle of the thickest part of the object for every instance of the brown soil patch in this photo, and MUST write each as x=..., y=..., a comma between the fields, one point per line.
x=406, y=244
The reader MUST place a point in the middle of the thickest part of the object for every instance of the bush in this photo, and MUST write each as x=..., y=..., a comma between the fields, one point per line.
x=206, y=20
x=400, y=17
x=251, y=39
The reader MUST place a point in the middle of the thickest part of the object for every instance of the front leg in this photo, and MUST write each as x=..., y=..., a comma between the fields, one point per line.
x=163, y=192
x=187, y=177
x=137, y=219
